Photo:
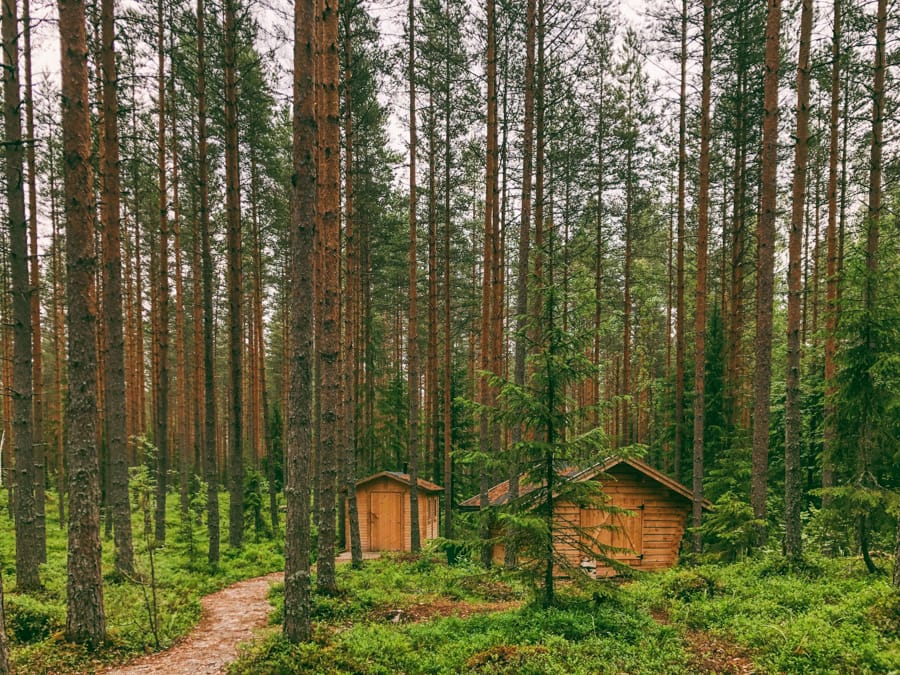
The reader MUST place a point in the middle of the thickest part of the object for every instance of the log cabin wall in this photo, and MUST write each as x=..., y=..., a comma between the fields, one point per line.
x=652, y=534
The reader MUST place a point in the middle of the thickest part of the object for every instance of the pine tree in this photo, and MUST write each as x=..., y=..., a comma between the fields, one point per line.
x=298, y=441
x=114, y=379
x=27, y=550
x=792, y=413
x=762, y=376
x=85, y=618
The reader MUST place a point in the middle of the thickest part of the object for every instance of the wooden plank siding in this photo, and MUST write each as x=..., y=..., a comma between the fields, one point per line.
x=652, y=535
x=374, y=496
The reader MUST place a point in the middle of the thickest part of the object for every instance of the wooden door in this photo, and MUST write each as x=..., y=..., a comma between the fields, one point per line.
x=618, y=530
x=386, y=521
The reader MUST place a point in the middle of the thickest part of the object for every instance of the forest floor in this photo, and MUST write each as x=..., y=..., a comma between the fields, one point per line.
x=230, y=616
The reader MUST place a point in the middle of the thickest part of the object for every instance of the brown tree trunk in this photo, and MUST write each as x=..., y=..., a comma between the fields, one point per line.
x=448, y=334
x=431, y=369
x=765, y=282
x=488, y=296
x=37, y=357
x=680, y=307
x=524, y=253
x=28, y=555
x=85, y=619
x=412, y=355
x=873, y=215
x=792, y=413
x=831, y=264
x=59, y=347
x=329, y=208
x=298, y=422
x=114, y=380
x=351, y=345
x=700, y=296
x=209, y=383
x=182, y=410
x=5, y=668
x=235, y=313
x=161, y=332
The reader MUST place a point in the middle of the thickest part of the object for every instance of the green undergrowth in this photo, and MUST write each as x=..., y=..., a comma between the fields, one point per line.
x=592, y=630
x=822, y=616
x=35, y=622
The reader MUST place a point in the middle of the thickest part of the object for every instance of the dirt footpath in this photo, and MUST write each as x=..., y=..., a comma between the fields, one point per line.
x=230, y=616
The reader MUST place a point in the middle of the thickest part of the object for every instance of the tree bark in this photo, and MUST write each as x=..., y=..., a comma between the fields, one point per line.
x=37, y=358
x=521, y=342
x=235, y=294
x=412, y=350
x=114, y=380
x=831, y=263
x=765, y=283
x=329, y=208
x=792, y=413
x=352, y=332
x=298, y=421
x=448, y=334
x=27, y=551
x=161, y=435
x=209, y=382
x=680, y=307
x=85, y=619
x=700, y=296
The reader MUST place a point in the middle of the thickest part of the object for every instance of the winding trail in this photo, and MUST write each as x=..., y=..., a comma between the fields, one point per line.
x=230, y=616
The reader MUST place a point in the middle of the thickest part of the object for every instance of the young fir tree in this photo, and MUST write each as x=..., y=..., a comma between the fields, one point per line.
x=548, y=414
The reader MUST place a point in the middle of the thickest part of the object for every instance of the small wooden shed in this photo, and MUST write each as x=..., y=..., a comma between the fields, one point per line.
x=651, y=536
x=383, y=503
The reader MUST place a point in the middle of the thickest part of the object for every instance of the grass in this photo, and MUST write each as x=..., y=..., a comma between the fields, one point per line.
x=36, y=622
x=827, y=616
x=591, y=631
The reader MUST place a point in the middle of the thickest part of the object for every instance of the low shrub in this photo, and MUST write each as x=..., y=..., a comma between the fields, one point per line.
x=29, y=619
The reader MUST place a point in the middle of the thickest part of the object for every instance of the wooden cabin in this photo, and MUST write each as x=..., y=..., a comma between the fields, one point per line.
x=650, y=537
x=383, y=503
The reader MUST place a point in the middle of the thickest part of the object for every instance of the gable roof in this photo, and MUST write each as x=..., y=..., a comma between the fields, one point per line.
x=404, y=478
x=499, y=494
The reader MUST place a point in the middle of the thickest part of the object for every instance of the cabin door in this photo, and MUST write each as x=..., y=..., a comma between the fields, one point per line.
x=386, y=521
x=618, y=530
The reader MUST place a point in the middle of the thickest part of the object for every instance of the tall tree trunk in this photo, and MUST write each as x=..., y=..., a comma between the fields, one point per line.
x=235, y=301
x=448, y=335
x=37, y=354
x=873, y=212
x=491, y=249
x=351, y=343
x=298, y=421
x=27, y=551
x=161, y=435
x=114, y=380
x=182, y=410
x=700, y=296
x=680, y=307
x=872, y=225
x=329, y=208
x=765, y=282
x=59, y=347
x=85, y=619
x=431, y=369
x=524, y=253
x=209, y=383
x=412, y=350
x=831, y=264
x=792, y=414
